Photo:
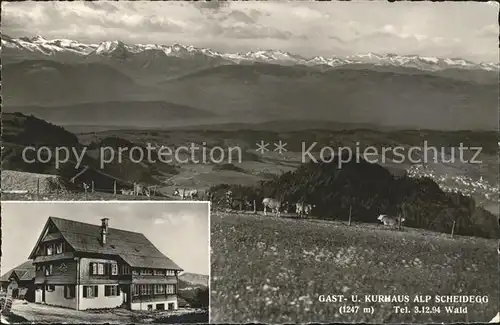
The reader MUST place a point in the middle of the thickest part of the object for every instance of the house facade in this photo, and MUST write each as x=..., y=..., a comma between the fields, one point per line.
x=84, y=266
x=18, y=283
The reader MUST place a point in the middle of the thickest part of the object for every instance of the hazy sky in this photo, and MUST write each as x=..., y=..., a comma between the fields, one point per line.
x=452, y=29
x=178, y=230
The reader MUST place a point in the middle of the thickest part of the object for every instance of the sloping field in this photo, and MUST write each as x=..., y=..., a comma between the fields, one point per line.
x=31, y=182
x=272, y=270
x=96, y=196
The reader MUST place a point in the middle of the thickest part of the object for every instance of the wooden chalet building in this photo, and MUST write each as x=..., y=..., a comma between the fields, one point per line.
x=84, y=266
x=19, y=282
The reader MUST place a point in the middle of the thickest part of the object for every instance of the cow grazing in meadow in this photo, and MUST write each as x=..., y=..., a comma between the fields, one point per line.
x=241, y=204
x=303, y=209
x=389, y=221
x=183, y=193
x=127, y=192
x=273, y=204
x=308, y=209
x=141, y=190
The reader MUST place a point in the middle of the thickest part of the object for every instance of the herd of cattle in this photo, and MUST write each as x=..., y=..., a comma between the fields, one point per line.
x=302, y=209
x=137, y=189
x=276, y=206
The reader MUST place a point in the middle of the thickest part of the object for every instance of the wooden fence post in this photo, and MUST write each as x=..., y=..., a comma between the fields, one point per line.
x=350, y=214
x=453, y=228
x=38, y=185
x=92, y=186
x=254, y=207
x=114, y=187
x=402, y=214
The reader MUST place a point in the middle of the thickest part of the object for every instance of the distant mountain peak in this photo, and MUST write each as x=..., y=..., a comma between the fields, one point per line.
x=111, y=48
x=120, y=50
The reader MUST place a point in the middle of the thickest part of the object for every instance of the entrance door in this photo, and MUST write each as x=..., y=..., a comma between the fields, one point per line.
x=43, y=292
x=126, y=294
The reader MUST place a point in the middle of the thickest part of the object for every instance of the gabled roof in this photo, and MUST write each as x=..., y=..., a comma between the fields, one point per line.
x=24, y=272
x=134, y=248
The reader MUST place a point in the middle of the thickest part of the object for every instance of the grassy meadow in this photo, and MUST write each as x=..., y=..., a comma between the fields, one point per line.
x=272, y=270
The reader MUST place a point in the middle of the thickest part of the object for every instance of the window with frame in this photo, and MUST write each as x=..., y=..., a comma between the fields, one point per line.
x=135, y=272
x=100, y=268
x=111, y=290
x=69, y=291
x=114, y=269
x=50, y=287
x=90, y=291
x=59, y=248
x=125, y=269
x=158, y=272
x=170, y=288
x=93, y=268
x=48, y=270
x=159, y=289
x=146, y=272
x=50, y=249
x=136, y=291
x=170, y=272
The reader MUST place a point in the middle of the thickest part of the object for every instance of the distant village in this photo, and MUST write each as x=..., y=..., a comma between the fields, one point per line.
x=480, y=189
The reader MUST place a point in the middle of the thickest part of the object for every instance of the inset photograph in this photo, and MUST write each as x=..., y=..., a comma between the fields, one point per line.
x=104, y=262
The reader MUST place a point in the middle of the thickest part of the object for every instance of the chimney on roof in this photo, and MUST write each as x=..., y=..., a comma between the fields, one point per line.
x=104, y=230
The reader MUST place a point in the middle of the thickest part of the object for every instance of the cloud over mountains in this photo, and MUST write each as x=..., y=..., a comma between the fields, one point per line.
x=309, y=29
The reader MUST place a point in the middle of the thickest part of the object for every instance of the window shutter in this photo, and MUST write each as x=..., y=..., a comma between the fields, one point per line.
x=91, y=265
x=96, y=291
x=106, y=291
x=117, y=290
x=85, y=292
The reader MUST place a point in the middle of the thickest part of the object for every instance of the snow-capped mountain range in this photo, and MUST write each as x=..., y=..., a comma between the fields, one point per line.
x=118, y=49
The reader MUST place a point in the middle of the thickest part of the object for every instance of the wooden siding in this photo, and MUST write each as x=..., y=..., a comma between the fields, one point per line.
x=60, y=275
x=154, y=279
x=153, y=298
x=87, y=278
x=58, y=257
